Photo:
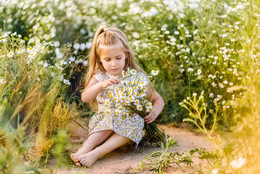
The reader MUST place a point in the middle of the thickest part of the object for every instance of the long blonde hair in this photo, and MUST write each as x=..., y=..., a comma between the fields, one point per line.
x=108, y=36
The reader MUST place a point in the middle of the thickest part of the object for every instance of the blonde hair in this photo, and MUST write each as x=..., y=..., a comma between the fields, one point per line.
x=108, y=36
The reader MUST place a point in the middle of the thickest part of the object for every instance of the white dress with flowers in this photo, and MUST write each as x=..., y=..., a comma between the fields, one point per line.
x=128, y=126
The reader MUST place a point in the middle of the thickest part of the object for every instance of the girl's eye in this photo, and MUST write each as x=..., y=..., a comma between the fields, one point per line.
x=118, y=58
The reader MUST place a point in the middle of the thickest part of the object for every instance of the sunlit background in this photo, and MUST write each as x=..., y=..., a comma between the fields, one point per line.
x=206, y=51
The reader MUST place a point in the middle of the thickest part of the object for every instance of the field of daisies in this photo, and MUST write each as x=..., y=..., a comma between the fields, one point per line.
x=206, y=52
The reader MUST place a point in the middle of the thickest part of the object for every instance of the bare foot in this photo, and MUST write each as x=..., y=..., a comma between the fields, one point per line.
x=89, y=158
x=74, y=158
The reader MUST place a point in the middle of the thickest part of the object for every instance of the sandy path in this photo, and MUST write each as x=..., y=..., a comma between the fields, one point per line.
x=122, y=160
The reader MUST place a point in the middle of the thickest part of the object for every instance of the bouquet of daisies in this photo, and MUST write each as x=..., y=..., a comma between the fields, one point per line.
x=130, y=97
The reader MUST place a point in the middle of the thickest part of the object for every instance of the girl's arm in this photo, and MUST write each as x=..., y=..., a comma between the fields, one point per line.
x=158, y=105
x=94, y=87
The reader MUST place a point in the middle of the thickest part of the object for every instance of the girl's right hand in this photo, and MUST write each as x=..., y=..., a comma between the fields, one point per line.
x=109, y=82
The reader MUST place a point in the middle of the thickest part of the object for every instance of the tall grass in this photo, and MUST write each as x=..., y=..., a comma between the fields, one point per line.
x=210, y=46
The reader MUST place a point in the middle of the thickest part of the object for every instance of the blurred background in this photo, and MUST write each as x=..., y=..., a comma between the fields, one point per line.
x=207, y=48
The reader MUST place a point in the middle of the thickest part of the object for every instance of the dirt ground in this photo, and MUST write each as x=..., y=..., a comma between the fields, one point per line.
x=123, y=160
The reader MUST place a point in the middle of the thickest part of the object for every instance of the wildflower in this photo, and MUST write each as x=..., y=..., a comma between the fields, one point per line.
x=107, y=102
x=117, y=111
x=10, y=54
x=56, y=44
x=72, y=59
x=213, y=84
x=139, y=107
x=2, y=81
x=211, y=95
x=82, y=46
x=176, y=32
x=221, y=85
x=88, y=44
x=62, y=62
x=154, y=72
x=199, y=71
x=194, y=94
x=148, y=109
x=219, y=96
x=76, y=46
x=135, y=35
x=67, y=82
x=31, y=54
x=210, y=111
x=190, y=70
x=137, y=102
x=21, y=51
x=238, y=163
x=108, y=111
x=133, y=71
x=149, y=13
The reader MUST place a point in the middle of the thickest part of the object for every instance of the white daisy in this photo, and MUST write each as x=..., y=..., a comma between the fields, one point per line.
x=21, y=51
x=154, y=72
x=107, y=102
x=2, y=81
x=10, y=54
x=139, y=107
x=67, y=82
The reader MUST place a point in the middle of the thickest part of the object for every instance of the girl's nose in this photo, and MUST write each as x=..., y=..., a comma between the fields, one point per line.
x=113, y=62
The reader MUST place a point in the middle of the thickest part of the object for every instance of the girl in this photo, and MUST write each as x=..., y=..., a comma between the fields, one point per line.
x=109, y=56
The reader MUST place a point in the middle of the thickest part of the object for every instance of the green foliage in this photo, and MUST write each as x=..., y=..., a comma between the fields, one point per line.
x=210, y=46
x=159, y=161
x=196, y=46
x=59, y=150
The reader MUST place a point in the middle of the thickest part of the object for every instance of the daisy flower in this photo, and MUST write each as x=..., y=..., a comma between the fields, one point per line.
x=2, y=81
x=10, y=54
x=21, y=51
x=155, y=72
x=67, y=82
x=139, y=107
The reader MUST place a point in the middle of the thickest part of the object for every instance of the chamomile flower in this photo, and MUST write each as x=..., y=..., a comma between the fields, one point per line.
x=117, y=112
x=142, y=94
x=2, y=81
x=133, y=71
x=139, y=107
x=10, y=54
x=67, y=82
x=108, y=111
x=31, y=54
x=155, y=72
x=136, y=102
x=107, y=102
x=20, y=51
x=148, y=109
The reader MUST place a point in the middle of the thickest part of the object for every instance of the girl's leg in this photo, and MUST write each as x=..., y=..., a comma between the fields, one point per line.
x=92, y=141
x=111, y=144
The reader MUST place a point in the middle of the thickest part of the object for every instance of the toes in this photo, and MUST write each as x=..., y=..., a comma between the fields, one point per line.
x=78, y=164
x=75, y=160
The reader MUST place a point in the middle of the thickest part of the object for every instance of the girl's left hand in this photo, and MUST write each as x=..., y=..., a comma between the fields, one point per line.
x=150, y=118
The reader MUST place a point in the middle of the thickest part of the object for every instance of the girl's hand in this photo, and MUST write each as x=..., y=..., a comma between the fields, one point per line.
x=150, y=118
x=110, y=81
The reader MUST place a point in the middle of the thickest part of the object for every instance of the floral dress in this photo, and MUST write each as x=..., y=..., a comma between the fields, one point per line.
x=127, y=126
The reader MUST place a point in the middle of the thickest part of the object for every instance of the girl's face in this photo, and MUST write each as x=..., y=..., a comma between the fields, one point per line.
x=113, y=58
